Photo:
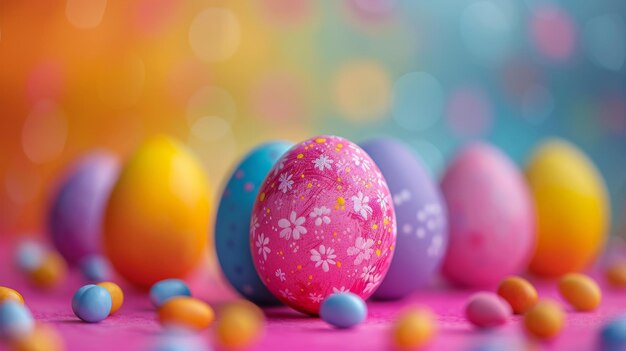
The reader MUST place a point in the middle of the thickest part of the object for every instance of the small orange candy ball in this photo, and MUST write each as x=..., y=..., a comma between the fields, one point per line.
x=50, y=272
x=580, y=291
x=545, y=320
x=7, y=294
x=240, y=325
x=117, y=295
x=414, y=328
x=519, y=293
x=186, y=312
x=43, y=338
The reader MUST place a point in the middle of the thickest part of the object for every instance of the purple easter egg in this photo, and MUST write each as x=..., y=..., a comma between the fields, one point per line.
x=75, y=215
x=421, y=216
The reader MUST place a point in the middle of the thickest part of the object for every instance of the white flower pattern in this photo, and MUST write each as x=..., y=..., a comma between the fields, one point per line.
x=381, y=198
x=361, y=205
x=285, y=182
x=360, y=161
x=316, y=298
x=261, y=243
x=373, y=282
x=323, y=162
x=324, y=257
x=280, y=275
x=287, y=294
x=362, y=249
x=287, y=231
x=321, y=215
x=367, y=273
x=340, y=290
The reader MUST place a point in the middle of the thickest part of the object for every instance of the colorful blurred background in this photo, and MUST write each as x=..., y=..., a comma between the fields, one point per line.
x=223, y=76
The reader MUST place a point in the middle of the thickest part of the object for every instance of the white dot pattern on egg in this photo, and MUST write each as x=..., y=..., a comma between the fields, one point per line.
x=323, y=222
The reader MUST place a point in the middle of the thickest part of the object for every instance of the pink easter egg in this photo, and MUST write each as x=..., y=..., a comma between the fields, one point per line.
x=491, y=217
x=323, y=223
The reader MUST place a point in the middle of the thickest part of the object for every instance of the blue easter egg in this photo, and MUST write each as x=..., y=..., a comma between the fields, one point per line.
x=16, y=321
x=421, y=216
x=164, y=290
x=92, y=303
x=343, y=310
x=232, y=225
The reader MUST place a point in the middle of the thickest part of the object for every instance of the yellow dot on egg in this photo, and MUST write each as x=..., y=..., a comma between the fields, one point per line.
x=377, y=252
x=338, y=179
x=338, y=264
x=339, y=187
x=309, y=185
x=262, y=196
x=267, y=210
x=385, y=221
x=374, y=226
x=310, y=276
x=340, y=145
x=312, y=145
x=391, y=248
x=343, y=208
x=299, y=266
x=320, y=140
x=300, y=155
x=281, y=252
x=341, y=200
x=337, y=149
x=379, y=242
x=347, y=169
x=334, y=233
x=302, y=175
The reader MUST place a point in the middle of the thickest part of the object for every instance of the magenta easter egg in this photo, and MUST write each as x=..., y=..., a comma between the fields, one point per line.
x=491, y=217
x=75, y=215
x=323, y=223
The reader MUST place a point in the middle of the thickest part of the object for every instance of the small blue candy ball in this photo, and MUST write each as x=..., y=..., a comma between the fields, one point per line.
x=166, y=289
x=92, y=303
x=95, y=268
x=15, y=320
x=343, y=310
x=29, y=255
x=613, y=334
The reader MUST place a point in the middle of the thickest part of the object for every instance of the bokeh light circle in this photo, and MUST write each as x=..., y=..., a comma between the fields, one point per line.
x=210, y=128
x=469, y=112
x=417, y=101
x=362, y=90
x=85, y=13
x=486, y=30
x=604, y=40
x=153, y=16
x=278, y=97
x=537, y=104
x=431, y=155
x=214, y=34
x=45, y=81
x=44, y=132
x=552, y=32
x=211, y=101
x=373, y=10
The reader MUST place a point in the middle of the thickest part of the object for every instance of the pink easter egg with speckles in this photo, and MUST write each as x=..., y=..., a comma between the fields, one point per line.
x=323, y=222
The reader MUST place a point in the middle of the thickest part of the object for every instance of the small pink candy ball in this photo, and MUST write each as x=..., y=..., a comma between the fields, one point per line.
x=323, y=223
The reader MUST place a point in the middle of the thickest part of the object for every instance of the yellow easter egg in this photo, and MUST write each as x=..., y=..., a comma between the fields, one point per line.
x=572, y=209
x=157, y=218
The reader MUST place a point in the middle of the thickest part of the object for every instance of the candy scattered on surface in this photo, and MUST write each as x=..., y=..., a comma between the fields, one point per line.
x=117, y=295
x=232, y=224
x=414, y=328
x=50, y=272
x=16, y=321
x=239, y=325
x=75, y=214
x=580, y=291
x=613, y=335
x=616, y=274
x=326, y=223
x=545, y=320
x=343, y=310
x=157, y=216
x=572, y=208
x=421, y=215
x=492, y=224
x=519, y=293
x=185, y=312
x=166, y=289
x=487, y=310
x=92, y=303
x=44, y=337
x=175, y=339
x=29, y=255
x=95, y=268
x=8, y=294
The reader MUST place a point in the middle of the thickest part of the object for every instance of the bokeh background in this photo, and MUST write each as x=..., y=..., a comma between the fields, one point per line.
x=223, y=76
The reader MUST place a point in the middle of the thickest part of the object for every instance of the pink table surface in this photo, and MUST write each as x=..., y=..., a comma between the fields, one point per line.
x=134, y=325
